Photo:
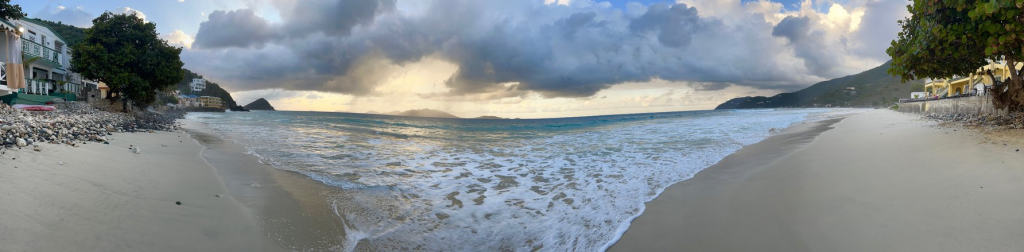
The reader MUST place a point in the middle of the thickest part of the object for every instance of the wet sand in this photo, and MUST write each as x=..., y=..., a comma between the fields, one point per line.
x=293, y=209
x=876, y=181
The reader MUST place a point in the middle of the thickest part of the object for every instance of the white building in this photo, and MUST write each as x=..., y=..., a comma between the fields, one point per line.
x=47, y=60
x=198, y=84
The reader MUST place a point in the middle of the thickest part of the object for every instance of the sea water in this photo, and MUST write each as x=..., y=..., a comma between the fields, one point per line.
x=488, y=184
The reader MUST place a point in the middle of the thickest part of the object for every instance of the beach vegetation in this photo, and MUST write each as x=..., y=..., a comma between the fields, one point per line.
x=125, y=52
x=942, y=39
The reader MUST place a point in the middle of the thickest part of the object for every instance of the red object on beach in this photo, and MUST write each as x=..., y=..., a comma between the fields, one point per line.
x=34, y=107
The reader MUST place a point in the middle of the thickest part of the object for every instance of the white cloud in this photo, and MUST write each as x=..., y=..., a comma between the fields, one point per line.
x=559, y=2
x=179, y=38
x=137, y=13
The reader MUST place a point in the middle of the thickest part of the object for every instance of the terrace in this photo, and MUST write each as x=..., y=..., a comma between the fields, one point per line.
x=50, y=56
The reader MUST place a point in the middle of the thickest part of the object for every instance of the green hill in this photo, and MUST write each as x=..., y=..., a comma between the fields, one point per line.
x=871, y=88
x=71, y=34
x=212, y=89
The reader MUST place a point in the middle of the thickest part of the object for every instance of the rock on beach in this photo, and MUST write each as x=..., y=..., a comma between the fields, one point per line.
x=73, y=123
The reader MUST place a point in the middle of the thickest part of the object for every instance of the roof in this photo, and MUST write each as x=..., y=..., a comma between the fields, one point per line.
x=8, y=24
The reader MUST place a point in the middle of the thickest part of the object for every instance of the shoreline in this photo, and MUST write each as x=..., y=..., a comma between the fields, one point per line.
x=802, y=130
x=862, y=185
x=290, y=207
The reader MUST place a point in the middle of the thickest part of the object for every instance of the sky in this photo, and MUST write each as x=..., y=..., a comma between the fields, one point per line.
x=522, y=58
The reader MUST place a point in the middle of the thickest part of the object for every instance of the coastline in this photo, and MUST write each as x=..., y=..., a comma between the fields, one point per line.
x=289, y=206
x=860, y=184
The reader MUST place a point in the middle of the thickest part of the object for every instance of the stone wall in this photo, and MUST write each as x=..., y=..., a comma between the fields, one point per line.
x=961, y=105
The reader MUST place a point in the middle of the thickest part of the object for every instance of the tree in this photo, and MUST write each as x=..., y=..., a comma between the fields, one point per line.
x=124, y=51
x=10, y=11
x=945, y=38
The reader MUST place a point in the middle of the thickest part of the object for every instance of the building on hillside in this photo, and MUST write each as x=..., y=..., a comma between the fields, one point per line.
x=198, y=85
x=188, y=101
x=976, y=83
x=193, y=101
x=211, y=102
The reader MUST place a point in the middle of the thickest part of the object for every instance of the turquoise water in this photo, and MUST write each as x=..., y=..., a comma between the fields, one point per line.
x=481, y=184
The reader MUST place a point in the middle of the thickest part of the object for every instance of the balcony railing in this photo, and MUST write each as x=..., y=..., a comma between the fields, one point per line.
x=51, y=87
x=33, y=49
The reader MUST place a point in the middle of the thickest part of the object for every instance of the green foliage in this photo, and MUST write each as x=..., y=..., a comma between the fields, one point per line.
x=124, y=52
x=946, y=38
x=165, y=99
x=10, y=11
x=71, y=34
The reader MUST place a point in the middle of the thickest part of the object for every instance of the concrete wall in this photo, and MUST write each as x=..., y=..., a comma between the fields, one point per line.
x=962, y=105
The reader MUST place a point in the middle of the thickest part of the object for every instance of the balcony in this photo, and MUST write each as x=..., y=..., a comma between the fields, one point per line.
x=46, y=55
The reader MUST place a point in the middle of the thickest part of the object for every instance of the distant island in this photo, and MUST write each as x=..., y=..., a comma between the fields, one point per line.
x=259, y=104
x=489, y=117
x=871, y=88
x=424, y=113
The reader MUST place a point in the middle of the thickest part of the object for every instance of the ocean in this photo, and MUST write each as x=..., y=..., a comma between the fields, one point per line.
x=486, y=184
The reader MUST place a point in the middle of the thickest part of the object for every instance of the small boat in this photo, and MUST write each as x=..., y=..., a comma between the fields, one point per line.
x=34, y=107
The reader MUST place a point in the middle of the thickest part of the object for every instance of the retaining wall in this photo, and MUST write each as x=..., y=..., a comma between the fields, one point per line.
x=961, y=105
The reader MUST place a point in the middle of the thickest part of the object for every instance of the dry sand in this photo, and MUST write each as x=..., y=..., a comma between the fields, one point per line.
x=106, y=197
x=100, y=197
x=878, y=181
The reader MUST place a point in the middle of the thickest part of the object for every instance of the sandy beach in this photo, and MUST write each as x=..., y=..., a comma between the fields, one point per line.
x=875, y=181
x=106, y=197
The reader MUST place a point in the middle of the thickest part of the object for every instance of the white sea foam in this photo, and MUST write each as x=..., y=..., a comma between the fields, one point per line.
x=572, y=184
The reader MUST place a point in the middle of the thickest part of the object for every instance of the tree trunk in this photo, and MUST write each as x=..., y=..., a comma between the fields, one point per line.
x=1009, y=95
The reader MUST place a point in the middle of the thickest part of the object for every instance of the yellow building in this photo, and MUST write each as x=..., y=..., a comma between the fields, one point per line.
x=211, y=102
x=976, y=83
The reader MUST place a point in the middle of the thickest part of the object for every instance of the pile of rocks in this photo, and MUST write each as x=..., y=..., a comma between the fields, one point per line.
x=1004, y=121
x=73, y=123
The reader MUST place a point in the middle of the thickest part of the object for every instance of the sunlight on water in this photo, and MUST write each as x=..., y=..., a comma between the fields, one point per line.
x=462, y=184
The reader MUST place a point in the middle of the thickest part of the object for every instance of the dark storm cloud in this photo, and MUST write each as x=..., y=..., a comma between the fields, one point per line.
x=238, y=28
x=808, y=44
x=242, y=28
x=348, y=46
x=674, y=24
x=334, y=17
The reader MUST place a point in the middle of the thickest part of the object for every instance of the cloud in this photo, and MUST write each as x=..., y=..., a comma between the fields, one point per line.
x=809, y=45
x=238, y=28
x=179, y=38
x=129, y=10
x=569, y=49
x=675, y=25
x=76, y=16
